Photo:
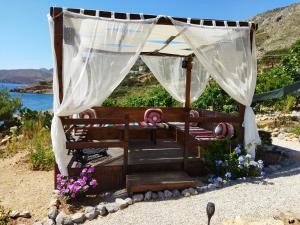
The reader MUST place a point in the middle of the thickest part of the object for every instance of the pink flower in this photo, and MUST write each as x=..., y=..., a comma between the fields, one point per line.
x=84, y=170
x=93, y=183
x=91, y=170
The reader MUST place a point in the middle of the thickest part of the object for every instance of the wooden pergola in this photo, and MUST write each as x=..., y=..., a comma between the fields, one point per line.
x=178, y=114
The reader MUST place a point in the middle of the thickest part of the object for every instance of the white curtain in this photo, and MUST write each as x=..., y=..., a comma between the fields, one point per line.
x=226, y=54
x=97, y=55
x=170, y=74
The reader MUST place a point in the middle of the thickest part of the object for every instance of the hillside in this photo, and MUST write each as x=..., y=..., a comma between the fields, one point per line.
x=277, y=29
x=25, y=76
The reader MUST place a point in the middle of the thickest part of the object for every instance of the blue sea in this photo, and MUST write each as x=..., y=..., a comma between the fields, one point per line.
x=38, y=102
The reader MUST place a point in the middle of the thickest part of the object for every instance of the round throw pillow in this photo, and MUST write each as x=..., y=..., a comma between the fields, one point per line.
x=88, y=114
x=224, y=130
x=194, y=114
x=153, y=116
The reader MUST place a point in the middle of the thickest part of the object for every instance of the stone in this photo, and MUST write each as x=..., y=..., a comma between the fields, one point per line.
x=186, y=193
x=148, y=196
x=101, y=209
x=49, y=222
x=168, y=194
x=78, y=218
x=55, y=192
x=25, y=214
x=129, y=201
x=176, y=193
x=14, y=214
x=112, y=207
x=90, y=212
x=193, y=191
x=54, y=202
x=154, y=196
x=201, y=189
x=122, y=203
x=137, y=198
x=161, y=195
x=63, y=219
x=211, y=187
x=53, y=212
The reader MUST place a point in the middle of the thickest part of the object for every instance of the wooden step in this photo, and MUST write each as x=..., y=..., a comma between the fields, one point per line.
x=157, y=181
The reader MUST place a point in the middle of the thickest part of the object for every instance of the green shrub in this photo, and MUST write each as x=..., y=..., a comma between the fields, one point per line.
x=4, y=215
x=291, y=62
x=295, y=130
x=41, y=158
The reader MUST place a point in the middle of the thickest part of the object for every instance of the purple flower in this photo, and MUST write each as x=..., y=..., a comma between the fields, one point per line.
x=91, y=170
x=228, y=175
x=241, y=160
x=219, y=179
x=84, y=170
x=73, y=195
x=210, y=180
x=93, y=183
x=85, y=178
x=86, y=187
x=238, y=149
x=219, y=162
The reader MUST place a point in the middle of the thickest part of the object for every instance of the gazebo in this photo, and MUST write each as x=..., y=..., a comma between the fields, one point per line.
x=94, y=50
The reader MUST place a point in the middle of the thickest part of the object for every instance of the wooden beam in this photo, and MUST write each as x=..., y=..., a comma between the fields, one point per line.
x=163, y=20
x=57, y=16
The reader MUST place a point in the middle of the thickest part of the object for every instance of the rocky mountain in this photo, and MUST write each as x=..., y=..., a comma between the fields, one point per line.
x=25, y=76
x=277, y=29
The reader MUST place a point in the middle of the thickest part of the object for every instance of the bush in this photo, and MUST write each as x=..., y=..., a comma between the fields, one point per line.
x=291, y=62
x=8, y=108
x=41, y=158
x=4, y=215
x=295, y=130
x=227, y=163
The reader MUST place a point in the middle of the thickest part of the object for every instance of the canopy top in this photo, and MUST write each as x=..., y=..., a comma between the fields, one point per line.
x=164, y=38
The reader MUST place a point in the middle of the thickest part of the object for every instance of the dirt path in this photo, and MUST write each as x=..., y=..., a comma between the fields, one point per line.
x=23, y=189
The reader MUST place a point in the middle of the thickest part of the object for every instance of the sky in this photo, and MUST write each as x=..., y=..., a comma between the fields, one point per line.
x=24, y=35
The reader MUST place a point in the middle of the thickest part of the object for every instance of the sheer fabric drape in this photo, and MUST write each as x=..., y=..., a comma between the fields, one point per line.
x=226, y=54
x=170, y=74
x=97, y=55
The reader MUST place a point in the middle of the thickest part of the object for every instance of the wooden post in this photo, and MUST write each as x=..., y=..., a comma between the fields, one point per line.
x=187, y=109
x=126, y=134
x=57, y=16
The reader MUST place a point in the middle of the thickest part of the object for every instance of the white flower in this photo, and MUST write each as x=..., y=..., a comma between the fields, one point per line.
x=253, y=163
x=248, y=156
x=228, y=175
x=241, y=159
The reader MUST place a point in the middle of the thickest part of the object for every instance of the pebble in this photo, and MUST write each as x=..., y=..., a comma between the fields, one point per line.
x=168, y=194
x=137, y=198
x=49, y=222
x=148, y=196
x=54, y=202
x=154, y=196
x=122, y=203
x=78, y=218
x=112, y=207
x=14, y=214
x=186, y=193
x=202, y=189
x=90, y=213
x=129, y=201
x=101, y=209
x=25, y=214
x=161, y=195
x=63, y=219
x=176, y=193
x=52, y=214
x=38, y=223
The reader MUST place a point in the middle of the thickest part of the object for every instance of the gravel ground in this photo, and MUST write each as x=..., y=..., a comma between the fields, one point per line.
x=256, y=200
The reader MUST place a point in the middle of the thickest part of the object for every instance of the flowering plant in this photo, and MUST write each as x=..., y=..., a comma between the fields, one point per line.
x=73, y=187
x=229, y=164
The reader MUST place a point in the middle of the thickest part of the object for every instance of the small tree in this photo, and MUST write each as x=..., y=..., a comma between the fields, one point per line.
x=291, y=62
x=9, y=106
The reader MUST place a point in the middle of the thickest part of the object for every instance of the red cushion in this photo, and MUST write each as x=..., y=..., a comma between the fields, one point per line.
x=194, y=114
x=88, y=114
x=153, y=116
x=223, y=130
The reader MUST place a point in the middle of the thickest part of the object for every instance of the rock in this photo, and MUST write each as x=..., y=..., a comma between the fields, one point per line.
x=288, y=218
x=211, y=187
x=14, y=214
x=90, y=212
x=112, y=207
x=101, y=209
x=154, y=196
x=55, y=192
x=193, y=191
x=161, y=195
x=168, y=194
x=186, y=193
x=122, y=203
x=54, y=202
x=53, y=212
x=129, y=201
x=176, y=193
x=49, y=222
x=137, y=198
x=63, y=219
x=148, y=196
x=25, y=214
x=201, y=189
x=78, y=218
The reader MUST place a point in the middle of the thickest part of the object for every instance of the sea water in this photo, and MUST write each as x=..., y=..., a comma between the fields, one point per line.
x=33, y=101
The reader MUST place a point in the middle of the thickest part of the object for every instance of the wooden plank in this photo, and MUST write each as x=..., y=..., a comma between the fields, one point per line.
x=67, y=121
x=157, y=181
x=102, y=144
x=163, y=20
x=207, y=119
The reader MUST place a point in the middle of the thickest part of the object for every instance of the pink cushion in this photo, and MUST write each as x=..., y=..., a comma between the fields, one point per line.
x=153, y=116
x=223, y=130
x=88, y=114
x=194, y=114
